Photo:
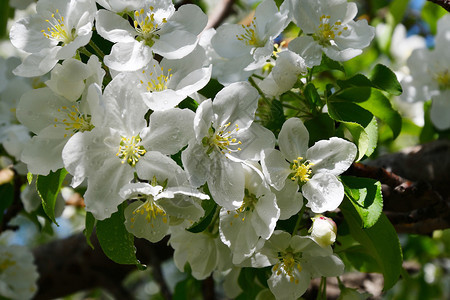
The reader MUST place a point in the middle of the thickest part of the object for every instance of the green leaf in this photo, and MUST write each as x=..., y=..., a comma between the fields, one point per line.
x=397, y=10
x=379, y=241
x=430, y=13
x=4, y=15
x=6, y=197
x=89, y=228
x=188, y=289
x=361, y=260
x=328, y=64
x=356, y=120
x=311, y=95
x=320, y=127
x=210, y=208
x=276, y=118
x=384, y=79
x=373, y=101
x=381, y=107
x=365, y=195
x=358, y=80
x=247, y=281
x=117, y=243
x=48, y=188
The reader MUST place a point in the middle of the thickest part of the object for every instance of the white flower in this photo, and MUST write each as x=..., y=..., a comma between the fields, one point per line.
x=329, y=27
x=256, y=218
x=18, y=273
x=314, y=169
x=55, y=33
x=295, y=260
x=71, y=78
x=164, y=85
x=430, y=76
x=123, y=144
x=203, y=251
x=54, y=120
x=323, y=230
x=251, y=45
x=283, y=76
x=224, y=69
x=156, y=207
x=157, y=28
x=225, y=135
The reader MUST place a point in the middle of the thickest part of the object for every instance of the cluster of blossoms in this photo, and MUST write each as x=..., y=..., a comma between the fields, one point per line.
x=18, y=274
x=429, y=76
x=121, y=133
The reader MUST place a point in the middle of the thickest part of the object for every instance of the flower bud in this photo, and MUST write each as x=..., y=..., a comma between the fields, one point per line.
x=323, y=230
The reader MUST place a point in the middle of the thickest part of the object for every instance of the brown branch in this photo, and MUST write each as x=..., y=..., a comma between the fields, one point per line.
x=69, y=265
x=220, y=13
x=415, y=186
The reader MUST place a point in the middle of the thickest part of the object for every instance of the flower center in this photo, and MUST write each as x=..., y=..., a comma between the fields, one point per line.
x=443, y=80
x=146, y=25
x=73, y=120
x=221, y=139
x=130, y=151
x=249, y=37
x=327, y=32
x=151, y=210
x=248, y=205
x=156, y=81
x=286, y=265
x=57, y=30
x=6, y=263
x=302, y=170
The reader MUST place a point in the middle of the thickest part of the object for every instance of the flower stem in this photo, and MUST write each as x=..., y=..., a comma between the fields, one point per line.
x=261, y=93
x=97, y=50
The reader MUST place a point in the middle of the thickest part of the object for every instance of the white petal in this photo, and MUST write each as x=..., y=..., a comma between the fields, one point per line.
x=332, y=156
x=196, y=163
x=132, y=190
x=129, y=56
x=275, y=168
x=43, y=153
x=139, y=226
x=236, y=104
x=293, y=139
x=155, y=164
x=226, y=183
x=308, y=48
x=102, y=196
x=440, y=110
x=170, y=130
x=285, y=289
x=324, y=192
x=327, y=266
x=114, y=28
x=254, y=139
x=289, y=200
x=175, y=44
x=237, y=234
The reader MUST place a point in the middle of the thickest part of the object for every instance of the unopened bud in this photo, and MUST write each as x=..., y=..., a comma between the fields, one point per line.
x=323, y=230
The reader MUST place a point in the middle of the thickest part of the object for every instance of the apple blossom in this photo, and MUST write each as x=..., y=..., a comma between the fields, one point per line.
x=296, y=260
x=329, y=28
x=225, y=135
x=157, y=28
x=249, y=46
x=57, y=30
x=122, y=144
x=314, y=169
